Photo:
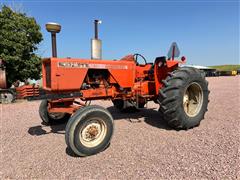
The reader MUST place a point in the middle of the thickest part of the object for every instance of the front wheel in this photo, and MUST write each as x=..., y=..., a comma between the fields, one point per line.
x=184, y=98
x=89, y=130
x=51, y=118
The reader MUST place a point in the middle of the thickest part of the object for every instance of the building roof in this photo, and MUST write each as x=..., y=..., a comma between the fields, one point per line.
x=198, y=67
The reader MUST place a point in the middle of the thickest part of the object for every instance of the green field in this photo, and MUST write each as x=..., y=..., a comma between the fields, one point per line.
x=226, y=67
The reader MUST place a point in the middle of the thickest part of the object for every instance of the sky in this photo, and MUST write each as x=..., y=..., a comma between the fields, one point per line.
x=207, y=32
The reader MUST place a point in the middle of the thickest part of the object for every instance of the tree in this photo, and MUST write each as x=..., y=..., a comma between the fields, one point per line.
x=19, y=38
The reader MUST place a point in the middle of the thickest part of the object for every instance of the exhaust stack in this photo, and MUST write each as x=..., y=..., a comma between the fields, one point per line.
x=53, y=28
x=96, y=44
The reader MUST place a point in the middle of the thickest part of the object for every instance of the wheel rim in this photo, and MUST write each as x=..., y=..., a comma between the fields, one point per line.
x=193, y=99
x=93, y=132
x=56, y=116
x=7, y=97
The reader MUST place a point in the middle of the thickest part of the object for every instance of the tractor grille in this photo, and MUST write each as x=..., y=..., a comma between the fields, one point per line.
x=48, y=74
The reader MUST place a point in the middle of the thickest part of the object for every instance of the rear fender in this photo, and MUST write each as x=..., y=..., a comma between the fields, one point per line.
x=161, y=69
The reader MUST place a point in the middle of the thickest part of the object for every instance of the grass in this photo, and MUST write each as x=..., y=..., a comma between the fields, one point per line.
x=226, y=67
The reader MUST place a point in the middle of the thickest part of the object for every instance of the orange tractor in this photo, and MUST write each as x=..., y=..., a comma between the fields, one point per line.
x=70, y=84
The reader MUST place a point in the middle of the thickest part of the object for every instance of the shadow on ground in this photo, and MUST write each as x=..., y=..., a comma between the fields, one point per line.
x=54, y=128
x=72, y=154
x=149, y=116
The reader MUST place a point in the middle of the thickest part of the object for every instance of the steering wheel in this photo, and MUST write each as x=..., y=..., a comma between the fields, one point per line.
x=139, y=55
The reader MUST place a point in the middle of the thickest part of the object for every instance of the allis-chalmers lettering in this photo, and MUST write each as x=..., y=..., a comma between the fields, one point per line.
x=95, y=66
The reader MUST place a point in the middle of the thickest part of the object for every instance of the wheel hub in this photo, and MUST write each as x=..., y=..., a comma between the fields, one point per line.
x=193, y=99
x=6, y=97
x=93, y=133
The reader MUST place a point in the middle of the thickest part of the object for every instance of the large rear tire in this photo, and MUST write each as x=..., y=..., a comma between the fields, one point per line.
x=51, y=118
x=184, y=98
x=89, y=130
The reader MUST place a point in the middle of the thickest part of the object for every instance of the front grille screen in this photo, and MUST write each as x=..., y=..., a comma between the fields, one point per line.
x=48, y=74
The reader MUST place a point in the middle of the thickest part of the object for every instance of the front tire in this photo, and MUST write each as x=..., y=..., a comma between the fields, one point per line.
x=184, y=98
x=89, y=130
x=51, y=118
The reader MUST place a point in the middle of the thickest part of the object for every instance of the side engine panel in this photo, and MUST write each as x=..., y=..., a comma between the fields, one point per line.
x=69, y=74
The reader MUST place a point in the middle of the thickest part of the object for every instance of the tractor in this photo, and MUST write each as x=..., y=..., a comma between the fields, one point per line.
x=70, y=84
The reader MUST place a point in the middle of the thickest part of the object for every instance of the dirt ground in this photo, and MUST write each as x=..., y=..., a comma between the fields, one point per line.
x=143, y=146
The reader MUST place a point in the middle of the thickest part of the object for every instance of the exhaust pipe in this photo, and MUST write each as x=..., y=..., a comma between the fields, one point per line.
x=53, y=28
x=96, y=44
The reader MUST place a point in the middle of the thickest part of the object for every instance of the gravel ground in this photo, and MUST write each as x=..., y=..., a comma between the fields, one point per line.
x=143, y=146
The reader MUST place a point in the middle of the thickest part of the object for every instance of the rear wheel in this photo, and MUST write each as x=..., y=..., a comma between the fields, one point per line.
x=184, y=98
x=51, y=118
x=89, y=130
